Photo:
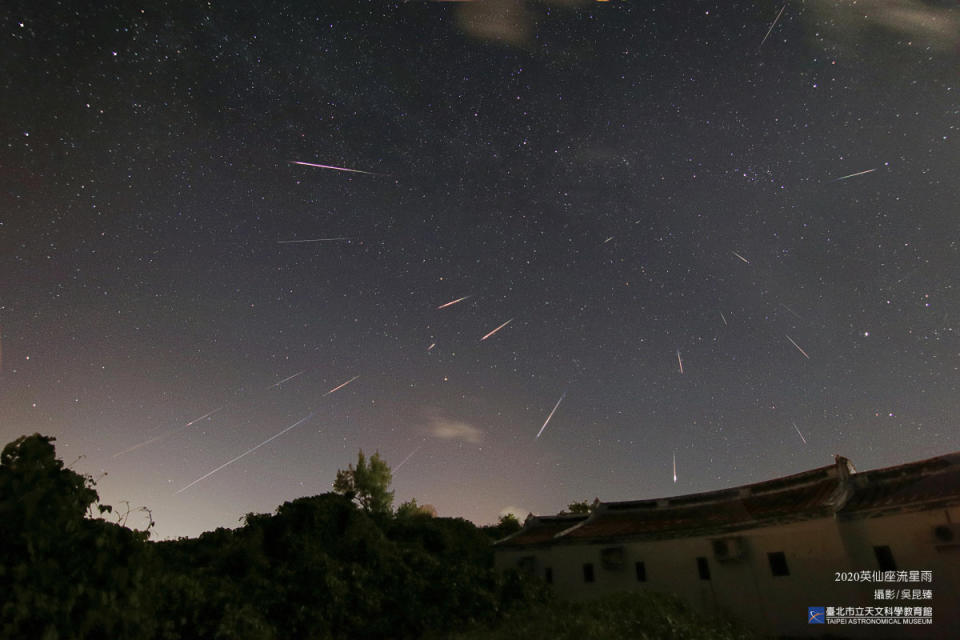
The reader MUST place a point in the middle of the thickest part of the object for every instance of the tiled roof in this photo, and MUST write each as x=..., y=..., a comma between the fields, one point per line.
x=817, y=493
x=905, y=486
x=542, y=529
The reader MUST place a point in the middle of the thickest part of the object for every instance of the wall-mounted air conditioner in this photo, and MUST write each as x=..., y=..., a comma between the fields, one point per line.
x=729, y=549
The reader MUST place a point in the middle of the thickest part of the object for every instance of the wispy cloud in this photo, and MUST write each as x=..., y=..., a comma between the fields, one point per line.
x=447, y=429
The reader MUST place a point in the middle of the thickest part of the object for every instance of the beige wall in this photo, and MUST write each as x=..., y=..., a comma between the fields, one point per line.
x=815, y=550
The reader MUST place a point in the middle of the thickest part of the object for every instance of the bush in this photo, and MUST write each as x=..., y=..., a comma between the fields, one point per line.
x=640, y=615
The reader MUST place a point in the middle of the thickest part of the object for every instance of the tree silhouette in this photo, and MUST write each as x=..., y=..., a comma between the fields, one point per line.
x=368, y=484
x=579, y=507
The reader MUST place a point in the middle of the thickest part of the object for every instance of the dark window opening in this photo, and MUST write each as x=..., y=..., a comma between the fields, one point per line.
x=548, y=575
x=588, y=573
x=641, y=572
x=885, y=558
x=778, y=563
x=703, y=568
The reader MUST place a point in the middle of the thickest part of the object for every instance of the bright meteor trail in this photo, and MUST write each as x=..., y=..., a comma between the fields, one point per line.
x=497, y=329
x=547, y=421
x=277, y=384
x=168, y=433
x=248, y=452
x=327, y=166
x=338, y=387
x=453, y=302
x=798, y=347
x=853, y=175
x=798, y=432
x=338, y=239
x=770, y=30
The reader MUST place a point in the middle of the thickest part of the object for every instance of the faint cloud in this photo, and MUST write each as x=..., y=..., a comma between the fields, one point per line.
x=918, y=22
x=447, y=429
x=510, y=22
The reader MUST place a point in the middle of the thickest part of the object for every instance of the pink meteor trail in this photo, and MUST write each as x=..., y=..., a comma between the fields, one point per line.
x=547, y=421
x=453, y=302
x=328, y=166
x=248, y=452
x=798, y=347
x=337, y=388
x=497, y=329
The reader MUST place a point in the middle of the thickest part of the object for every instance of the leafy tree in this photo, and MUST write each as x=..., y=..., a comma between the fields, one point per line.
x=367, y=483
x=579, y=507
x=507, y=525
x=62, y=574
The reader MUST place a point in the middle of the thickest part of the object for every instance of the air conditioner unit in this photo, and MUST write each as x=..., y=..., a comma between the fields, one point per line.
x=729, y=549
x=947, y=533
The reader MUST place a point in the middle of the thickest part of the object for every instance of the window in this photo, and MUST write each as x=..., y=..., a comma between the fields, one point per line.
x=641, y=572
x=885, y=558
x=778, y=563
x=528, y=565
x=612, y=558
x=548, y=575
x=703, y=568
x=588, y=573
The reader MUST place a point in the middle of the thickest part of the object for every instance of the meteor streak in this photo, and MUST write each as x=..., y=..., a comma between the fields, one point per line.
x=338, y=387
x=798, y=432
x=795, y=314
x=327, y=166
x=798, y=347
x=453, y=302
x=397, y=468
x=545, y=422
x=168, y=433
x=137, y=446
x=853, y=175
x=338, y=239
x=740, y=256
x=497, y=329
x=248, y=452
x=277, y=384
x=775, y=20
x=679, y=361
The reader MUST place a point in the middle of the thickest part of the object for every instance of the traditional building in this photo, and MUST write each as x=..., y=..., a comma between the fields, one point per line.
x=852, y=543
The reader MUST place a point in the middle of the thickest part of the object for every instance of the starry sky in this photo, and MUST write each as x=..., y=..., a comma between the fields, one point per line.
x=725, y=232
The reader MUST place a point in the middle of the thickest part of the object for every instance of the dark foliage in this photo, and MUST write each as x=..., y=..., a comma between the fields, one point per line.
x=320, y=567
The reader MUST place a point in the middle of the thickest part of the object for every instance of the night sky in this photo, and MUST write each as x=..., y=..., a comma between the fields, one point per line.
x=662, y=203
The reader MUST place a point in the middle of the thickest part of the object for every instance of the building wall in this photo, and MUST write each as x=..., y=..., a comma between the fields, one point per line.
x=747, y=589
